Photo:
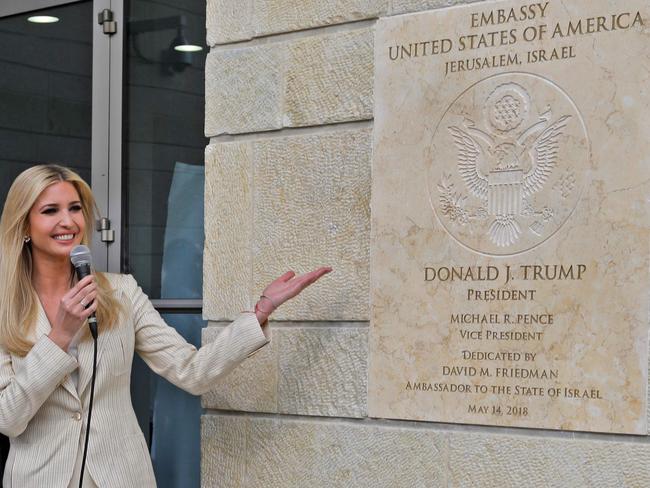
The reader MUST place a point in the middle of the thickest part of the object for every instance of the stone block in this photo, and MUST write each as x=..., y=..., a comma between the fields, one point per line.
x=406, y=6
x=273, y=16
x=329, y=79
x=586, y=367
x=223, y=463
x=289, y=453
x=228, y=230
x=515, y=461
x=310, y=81
x=228, y=21
x=252, y=386
x=243, y=88
x=323, y=371
x=303, y=371
x=312, y=209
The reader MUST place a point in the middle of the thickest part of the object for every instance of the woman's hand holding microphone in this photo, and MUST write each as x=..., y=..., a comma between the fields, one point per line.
x=74, y=309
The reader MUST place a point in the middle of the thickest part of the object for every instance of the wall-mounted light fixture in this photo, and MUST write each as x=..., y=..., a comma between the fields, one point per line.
x=178, y=55
x=188, y=48
x=42, y=19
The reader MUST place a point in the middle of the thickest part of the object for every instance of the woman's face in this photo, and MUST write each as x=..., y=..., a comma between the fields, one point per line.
x=56, y=221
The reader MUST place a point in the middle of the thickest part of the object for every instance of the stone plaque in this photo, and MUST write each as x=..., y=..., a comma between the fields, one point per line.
x=510, y=215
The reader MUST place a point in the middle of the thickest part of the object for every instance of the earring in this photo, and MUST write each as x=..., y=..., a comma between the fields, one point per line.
x=27, y=239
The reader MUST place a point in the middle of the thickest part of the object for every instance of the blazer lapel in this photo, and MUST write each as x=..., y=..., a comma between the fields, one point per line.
x=43, y=327
x=86, y=351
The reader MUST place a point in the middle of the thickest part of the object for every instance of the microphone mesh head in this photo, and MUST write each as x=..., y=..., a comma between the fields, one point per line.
x=80, y=255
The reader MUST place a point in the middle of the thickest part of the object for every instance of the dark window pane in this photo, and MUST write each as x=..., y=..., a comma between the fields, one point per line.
x=164, y=146
x=46, y=92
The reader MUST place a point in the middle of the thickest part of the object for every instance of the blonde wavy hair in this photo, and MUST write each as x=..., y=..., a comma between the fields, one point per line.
x=18, y=299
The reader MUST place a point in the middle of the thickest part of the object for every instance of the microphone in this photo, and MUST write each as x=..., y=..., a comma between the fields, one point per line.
x=82, y=261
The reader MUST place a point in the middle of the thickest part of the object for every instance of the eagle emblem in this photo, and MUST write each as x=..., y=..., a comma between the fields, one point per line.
x=502, y=164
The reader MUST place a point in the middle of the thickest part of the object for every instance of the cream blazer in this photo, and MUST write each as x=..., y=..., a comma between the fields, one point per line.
x=44, y=415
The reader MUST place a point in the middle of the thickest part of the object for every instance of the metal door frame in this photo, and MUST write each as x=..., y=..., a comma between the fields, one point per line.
x=106, y=138
x=107, y=128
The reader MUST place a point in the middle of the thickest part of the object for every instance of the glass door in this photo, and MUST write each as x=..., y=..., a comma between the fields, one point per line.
x=54, y=86
x=163, y=176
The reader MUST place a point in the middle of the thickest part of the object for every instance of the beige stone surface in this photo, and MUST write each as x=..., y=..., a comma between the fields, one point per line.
x=244, y=89
x=288, y=453
x=308, y=197
x=407, y=6
x=323, y=371
x=223, y=452
x=312, y=370
x=508, y=461
x=485, y=167
x=329, y=79
x=228, y=21
x=252, y=386
x=284, y=452
x=314, y=80
x=227, y=257
x=272, y=16
x=312, y=209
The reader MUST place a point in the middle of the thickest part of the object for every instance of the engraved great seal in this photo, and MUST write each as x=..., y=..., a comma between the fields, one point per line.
x=510, y=159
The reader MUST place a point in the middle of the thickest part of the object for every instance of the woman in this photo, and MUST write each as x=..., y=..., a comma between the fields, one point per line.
x=46, y=350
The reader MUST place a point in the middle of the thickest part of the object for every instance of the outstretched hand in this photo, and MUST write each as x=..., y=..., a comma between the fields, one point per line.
x=284, y=288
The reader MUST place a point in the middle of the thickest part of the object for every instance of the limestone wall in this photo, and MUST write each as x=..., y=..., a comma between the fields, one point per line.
x=289, y=109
